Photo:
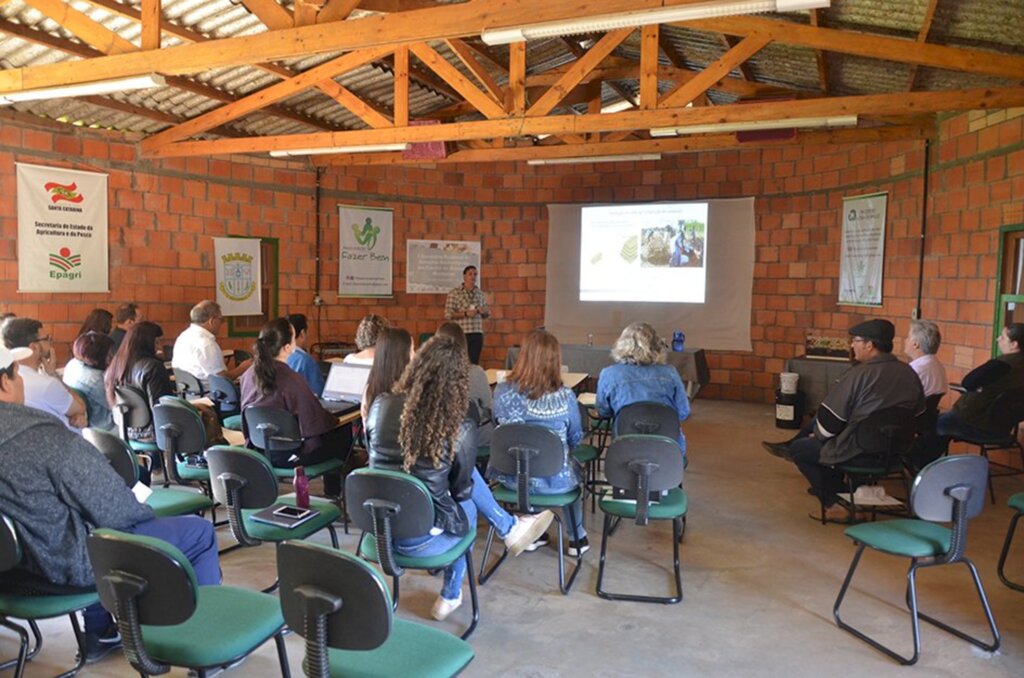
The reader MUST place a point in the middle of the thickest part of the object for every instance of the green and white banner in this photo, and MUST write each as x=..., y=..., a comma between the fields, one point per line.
x=62, y=230
x=239, y=275
x=862, y=257
x=366, y=242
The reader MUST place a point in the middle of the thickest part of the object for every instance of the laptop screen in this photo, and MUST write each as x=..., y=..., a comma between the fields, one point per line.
x=346, y=381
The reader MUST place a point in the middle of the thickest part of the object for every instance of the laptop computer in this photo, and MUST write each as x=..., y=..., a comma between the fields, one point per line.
x=343, y=391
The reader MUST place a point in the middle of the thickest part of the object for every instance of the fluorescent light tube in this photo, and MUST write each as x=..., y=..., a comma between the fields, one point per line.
x=595, y=158
x=371, y=148
x=610, y=22
x=85, y=89
x=752, y=125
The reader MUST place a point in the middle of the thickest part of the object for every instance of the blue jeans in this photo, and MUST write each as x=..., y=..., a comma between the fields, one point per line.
x=558, y=485
x=192, y=535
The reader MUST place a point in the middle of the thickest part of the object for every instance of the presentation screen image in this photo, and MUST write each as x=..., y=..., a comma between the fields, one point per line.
x=646, y=253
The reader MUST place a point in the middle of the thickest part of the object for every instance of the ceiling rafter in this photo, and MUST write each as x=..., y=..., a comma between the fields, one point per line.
x=730, y=41
x=80, y=25
x=482, y=101
x=820, y=57
x=699, y=84
x=272, y=14
x=483, y=76
x=336, y=10
x=922, y=36
x=577, y=71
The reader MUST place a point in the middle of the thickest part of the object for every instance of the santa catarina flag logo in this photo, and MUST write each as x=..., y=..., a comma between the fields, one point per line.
x=63, y=192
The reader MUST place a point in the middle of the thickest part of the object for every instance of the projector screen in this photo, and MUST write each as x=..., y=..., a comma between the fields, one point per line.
x=647, y=253
x=610, y=265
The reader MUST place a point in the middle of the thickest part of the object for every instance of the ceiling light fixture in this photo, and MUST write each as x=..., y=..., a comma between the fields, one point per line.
x=371, y=148
x=610, y=22
x=85, y=89
x=596, y=158
x=752, y=125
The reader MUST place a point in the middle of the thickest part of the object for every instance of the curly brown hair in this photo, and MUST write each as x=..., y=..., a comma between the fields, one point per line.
x=369, y=329
x=436, y=388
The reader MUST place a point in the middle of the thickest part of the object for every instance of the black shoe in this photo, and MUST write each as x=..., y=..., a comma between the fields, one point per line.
x=541, y=542
x=99, y=645
x=780, y=450
x=578, y=548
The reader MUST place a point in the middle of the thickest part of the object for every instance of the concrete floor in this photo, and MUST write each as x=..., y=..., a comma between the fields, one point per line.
x=759, y=581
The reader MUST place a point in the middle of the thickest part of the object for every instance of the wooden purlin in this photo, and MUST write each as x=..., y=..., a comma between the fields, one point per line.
x=273, y=15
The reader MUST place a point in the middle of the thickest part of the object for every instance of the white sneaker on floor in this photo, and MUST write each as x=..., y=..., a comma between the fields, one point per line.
x=444, y=607
x=526, y=531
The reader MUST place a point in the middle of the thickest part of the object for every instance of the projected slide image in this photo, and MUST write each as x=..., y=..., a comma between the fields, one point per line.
x=651, y=252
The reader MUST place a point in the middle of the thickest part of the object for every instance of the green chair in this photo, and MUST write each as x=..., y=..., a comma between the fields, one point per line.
x=132, y=411
x=166, y=619
x=1017, y=504
x=164, y=501
x=645, y=472
x=951, y=489
x=24, y=596
x=244, y=482
x=181, y=437
x=188, y=384
x=393, y=505
x=526, y=451
x=224, y=394
x=341, y=607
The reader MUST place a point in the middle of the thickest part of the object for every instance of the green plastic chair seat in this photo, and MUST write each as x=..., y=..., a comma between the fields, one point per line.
x=411, y=650
x=171, y=502
x=864, y=470
x=233, y=423
x=672, y=505
x=1016, y=502
x=312, y=471
x=483, y=452
x=193, y=473
x=507, y=496
x=585, y=453
x=906, y=537
x=228, y=623
x=368, y=548
x=139, y=446
x=44, y=606
x=264, y=532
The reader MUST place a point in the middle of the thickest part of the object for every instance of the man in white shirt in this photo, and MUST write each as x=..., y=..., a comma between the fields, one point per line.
x=921, y=344
x=196, y=349
x=43, y=389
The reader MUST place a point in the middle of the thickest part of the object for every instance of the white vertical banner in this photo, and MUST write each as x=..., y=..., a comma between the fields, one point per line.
x=62, y=230
x=239, y=280
x=366, y=242
x=862, y=256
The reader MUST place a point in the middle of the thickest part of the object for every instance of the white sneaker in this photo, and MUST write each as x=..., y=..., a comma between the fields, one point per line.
x=526, y=531
x=444, y=607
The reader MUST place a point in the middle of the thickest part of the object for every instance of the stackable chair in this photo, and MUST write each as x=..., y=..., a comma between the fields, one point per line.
x=166, y=619
x=164, y=501
x=243, y=481
x=640, y=465
x=340, y=605
x=188, y=384
x=647, y=418
x=1017, y=504
x=181, y=437
x=392, y=505
x=224, y=394
x=131, y=410
x=1006, y=413
x=951, y=489
x=527, y=451
x=32, y=606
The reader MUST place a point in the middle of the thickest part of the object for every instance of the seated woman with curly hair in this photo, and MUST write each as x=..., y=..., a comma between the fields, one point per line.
x=367, y=332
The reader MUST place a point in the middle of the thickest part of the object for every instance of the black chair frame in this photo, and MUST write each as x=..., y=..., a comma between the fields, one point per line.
x=1008, y=412
x=1001, y=567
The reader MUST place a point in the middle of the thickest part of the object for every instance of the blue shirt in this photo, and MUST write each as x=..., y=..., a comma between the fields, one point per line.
x=556, y=411
x=303, y=363
x=89, y=382
x=621, y=384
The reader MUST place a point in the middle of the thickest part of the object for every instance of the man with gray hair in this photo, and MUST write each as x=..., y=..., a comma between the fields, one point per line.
x=196, y=349
x=921, y=345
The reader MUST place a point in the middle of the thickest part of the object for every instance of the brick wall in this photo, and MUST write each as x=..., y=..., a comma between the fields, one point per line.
x=163, y=213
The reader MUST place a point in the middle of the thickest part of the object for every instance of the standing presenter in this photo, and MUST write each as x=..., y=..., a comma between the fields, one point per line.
x=467, y=306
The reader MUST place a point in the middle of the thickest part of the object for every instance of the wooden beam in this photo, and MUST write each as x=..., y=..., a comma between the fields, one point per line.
x=649, y=67
x=872, y=46
x=482, y=101
x=465, y=55
x=150, y=24
x=89, y=31
x=264, y=97
x=874, y=104
x=273, y=15
x=336, y=10
x=366, y=111
x=730, y=41
x=306, y=11
x=687, y=92
x=922, y=37
x=820, y=57
x=673, y=56
x=517, y=78
x=401, y=74
x=577, y=70
x=436, y=23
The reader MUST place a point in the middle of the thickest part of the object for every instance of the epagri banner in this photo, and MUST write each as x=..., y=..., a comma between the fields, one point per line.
x=239, y=283
x=862, y=256
x=366, y=237
x=62, y=230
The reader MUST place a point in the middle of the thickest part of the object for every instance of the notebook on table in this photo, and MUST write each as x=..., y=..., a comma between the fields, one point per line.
x=284, y=515
x=343, y=391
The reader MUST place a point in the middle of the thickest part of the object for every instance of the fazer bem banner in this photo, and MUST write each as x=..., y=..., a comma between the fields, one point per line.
x=62, y=230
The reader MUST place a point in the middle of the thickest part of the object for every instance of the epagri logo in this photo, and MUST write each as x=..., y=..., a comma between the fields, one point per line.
x=63, y=192
x=64, y=263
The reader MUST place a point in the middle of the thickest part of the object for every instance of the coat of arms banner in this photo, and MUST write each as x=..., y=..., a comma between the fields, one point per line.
x=239, y=286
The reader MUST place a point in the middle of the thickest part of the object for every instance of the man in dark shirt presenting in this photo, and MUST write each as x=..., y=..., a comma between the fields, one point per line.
x=878, y=381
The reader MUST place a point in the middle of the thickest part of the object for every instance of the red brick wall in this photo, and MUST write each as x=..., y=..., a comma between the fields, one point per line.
x=163, y=213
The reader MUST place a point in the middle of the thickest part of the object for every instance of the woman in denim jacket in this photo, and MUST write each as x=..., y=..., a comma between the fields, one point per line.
x=533, y=393
x=640, y=374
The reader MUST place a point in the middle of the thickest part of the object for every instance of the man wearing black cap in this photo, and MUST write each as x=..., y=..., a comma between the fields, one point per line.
x=878, y=381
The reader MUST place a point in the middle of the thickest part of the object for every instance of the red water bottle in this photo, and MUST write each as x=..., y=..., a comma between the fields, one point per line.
x=301, y=484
